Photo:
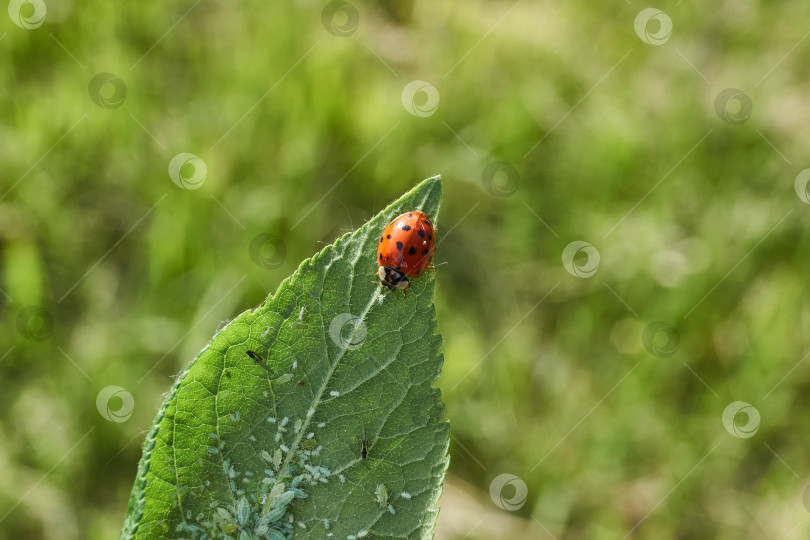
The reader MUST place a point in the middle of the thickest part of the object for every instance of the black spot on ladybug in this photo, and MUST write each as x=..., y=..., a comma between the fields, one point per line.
x=406, y=227
x=399, y=246
x=430, y=236
x=421, y=233
x=412, y=251
x=381, y=239
x=380, y=256
x=425, y=252
x=428, y=222
x=410, y=215
x=389, y=237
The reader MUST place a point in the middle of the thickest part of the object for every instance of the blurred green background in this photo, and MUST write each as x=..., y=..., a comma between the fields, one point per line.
x=603, y=128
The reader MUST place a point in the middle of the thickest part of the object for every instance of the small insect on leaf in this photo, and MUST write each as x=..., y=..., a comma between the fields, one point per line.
x=276, y=514
x=309, y=444
x=364, y=444
x=224, y=514
x=382, y=494
x=243, y=511
x=258, y=359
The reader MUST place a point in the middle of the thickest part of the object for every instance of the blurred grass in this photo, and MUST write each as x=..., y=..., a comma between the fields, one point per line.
x=568, y=382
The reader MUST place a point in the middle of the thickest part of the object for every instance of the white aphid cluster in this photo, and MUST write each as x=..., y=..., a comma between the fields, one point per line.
x=263, y=512
x=262, y=502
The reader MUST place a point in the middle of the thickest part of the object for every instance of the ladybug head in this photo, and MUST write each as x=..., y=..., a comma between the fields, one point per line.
x=392, y=279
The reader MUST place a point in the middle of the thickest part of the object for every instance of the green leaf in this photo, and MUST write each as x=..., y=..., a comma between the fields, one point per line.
x=239, y=450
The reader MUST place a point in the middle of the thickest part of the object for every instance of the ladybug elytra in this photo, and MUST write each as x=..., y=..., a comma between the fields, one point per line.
x=405, y=250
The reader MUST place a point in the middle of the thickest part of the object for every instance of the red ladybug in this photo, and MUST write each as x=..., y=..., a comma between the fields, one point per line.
x=405, y=250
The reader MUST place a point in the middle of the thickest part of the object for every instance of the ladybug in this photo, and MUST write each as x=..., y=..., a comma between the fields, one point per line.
x=405, y=250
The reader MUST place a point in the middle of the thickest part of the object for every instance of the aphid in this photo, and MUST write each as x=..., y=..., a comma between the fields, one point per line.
x=364, y=444
x=382, y=494
x=275, y=535
x=362, y=534
x=391, y=510
x=243, y=511
x=258, y=359
x=302, y=383
x=405, y=250
x=287, y=377
x=300, y=322
x=284, y=499
x=309, y=444
x=334, y=393
x=276, y=514
x=406, y=495
x=326, y=524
